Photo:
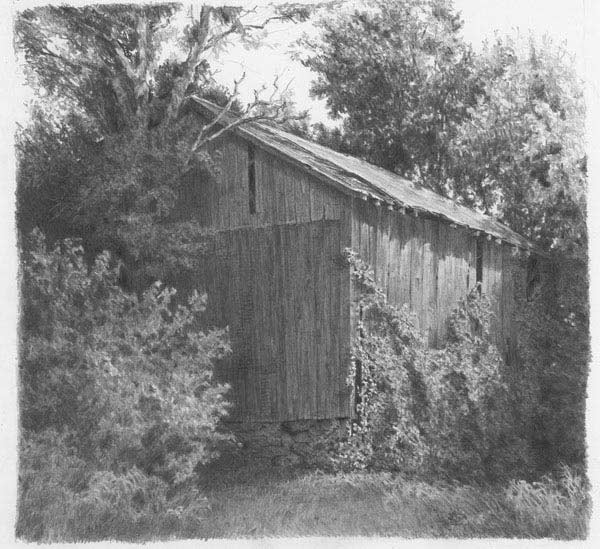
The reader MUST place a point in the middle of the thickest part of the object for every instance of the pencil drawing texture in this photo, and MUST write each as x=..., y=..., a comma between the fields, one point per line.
x=237, y=323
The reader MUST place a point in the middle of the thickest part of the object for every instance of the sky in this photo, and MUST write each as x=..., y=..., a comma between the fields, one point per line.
x=563, y=21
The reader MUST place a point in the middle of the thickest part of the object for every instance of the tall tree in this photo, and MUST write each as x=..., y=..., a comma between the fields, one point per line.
x=110, y=60
x=501, y=131
x=111, y=141
x=520, y=154
x=400, y=75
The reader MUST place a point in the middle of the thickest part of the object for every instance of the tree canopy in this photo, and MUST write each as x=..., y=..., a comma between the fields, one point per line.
x=501, y=130
x=128, y=66
x=520, y=152
x=400, y=75
x=110, y=142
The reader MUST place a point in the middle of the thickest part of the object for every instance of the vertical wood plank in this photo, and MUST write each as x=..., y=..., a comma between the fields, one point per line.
x=429, y=274
x=346, y=321
x=316, y=201
x=302, y=199
x=271, y=202
x=332, y=321
x=416, y=281
x=281, y=328
x=394, y=271
x=498, y=294
x=291, y=186
x=383, y=244
x=288, y=322
x=307, y=322
x=323, y=297
x=442, y=283
x=373, y=217
x=405, y=242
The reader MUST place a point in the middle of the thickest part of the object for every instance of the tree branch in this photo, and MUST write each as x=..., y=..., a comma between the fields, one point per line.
x=44, y=50
x=221, y=115
x=277, y=114
x=189, y=65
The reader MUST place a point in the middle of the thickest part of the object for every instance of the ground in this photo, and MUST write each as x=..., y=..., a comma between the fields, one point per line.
x=381, y=504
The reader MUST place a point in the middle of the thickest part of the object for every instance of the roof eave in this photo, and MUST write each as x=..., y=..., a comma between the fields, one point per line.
x=514, y=239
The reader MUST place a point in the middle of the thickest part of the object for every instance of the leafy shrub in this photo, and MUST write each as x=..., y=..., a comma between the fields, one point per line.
x=471, y=426
x=386, y=355
x=50, y=474
x=133, y=505
x=62, y=498
x=446, y=411
x=115, y=387
x=554, y=347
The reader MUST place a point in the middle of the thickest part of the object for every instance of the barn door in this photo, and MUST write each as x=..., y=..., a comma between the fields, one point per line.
x=278, y=290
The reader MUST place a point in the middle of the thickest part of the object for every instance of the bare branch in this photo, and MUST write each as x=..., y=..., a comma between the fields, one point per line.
x=73, y=64
x=199, y=141
x=276, y=115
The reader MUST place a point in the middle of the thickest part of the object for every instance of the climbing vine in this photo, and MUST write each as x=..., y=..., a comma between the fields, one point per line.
x=446, y=411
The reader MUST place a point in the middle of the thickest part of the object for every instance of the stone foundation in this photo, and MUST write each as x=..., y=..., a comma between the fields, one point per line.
x=289, y=444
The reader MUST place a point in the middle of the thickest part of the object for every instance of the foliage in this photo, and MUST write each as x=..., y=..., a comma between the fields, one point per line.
x=472, y=424
x=446, y=411
x=50, y=474
x=62, y=498
x=520, y=154
x=122, y=192
x=132, y=377
x=114, y=154
x=550, y=504
x=400, y=75
x=501, y=131
x=128, y=66
x=554, y=346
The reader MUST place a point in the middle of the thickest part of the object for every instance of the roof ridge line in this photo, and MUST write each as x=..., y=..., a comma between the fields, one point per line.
x=291, y=141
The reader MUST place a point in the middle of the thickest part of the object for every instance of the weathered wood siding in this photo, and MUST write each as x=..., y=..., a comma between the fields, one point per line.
x=281, y=291
x=275, y=280
x=284, y=193
x=429, y=266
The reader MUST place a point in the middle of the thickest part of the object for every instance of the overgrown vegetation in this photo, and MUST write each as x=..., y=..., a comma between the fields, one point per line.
x=117, y=401
x=554, y=345
x=453, y=412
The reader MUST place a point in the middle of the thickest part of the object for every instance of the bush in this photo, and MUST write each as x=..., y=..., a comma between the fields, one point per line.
x=62, y=498
x=445, y=411
x=471, y=425
x=114, y=386
x=387, y=354
x=554, y=347
x=50, y=474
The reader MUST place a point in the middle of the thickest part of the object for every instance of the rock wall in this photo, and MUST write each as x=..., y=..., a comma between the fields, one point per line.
x=290, y=444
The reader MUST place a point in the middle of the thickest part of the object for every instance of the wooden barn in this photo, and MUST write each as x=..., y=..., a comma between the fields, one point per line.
x=283, y=210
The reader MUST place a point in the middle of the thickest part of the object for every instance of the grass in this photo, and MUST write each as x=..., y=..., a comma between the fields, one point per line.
x=249, y=503
x=382, y=505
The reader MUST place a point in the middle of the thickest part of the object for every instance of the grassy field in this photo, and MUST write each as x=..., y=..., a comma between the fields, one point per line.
x=275, y=503
x=381, y=505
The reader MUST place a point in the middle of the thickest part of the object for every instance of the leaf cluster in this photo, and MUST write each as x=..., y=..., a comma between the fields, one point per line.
x=501, y=131
x=129, y=377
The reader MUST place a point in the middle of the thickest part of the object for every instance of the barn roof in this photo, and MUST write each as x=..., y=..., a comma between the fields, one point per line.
x=360, y=178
